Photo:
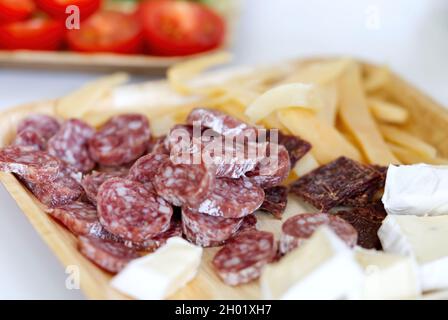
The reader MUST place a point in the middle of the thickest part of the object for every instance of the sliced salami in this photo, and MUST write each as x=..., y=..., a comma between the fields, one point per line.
x=145, y=168
x=299, y=228
x=70, y=145
x=181, y=184
x=275, y=201
x=157, y=145
x=242, y=258
x=205, y=230
x=249, y=223
x=92, y=182
x=109, y=255
x=231, y=198
x=44, y=125
x=128, y=209
x=273, y=169
x=32, y=165
x=30, y=138
x=121, y=140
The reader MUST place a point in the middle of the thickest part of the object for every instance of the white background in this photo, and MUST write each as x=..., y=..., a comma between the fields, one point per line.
x=411, y=36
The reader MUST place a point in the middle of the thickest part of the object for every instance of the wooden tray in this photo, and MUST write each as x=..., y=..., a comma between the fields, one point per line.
x=428, y=120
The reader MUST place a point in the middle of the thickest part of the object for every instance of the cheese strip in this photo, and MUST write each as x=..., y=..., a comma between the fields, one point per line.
x=407, y=156
x=387, y=112
x=357, y=119
x=161, y=273
x=305, y=165
x=377, y=78
x=328, y=143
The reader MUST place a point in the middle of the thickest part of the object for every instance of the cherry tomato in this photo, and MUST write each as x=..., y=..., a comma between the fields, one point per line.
x=107, y=31
x=174, y=28
x=34, y=34
x=15, y=10
x=57, y=8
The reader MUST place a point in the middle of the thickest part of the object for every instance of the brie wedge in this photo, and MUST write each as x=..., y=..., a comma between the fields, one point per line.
x=423, y=238
x=324, y=267
x=388, y=276
x=160, y=274
x=418, y=189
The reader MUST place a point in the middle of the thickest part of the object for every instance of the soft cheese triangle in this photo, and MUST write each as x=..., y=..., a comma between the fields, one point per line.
x=322, y=268
x=160, y=274
x=423, y=238
x=418, y=189
x=388, y=276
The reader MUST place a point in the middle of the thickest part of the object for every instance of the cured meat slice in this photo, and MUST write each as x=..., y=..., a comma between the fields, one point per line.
x=231, y=198
x=222, y=123
x=157, y=145
x=181, y=184
x=128, y=209
x=109, y=255
x=330, y=185
x=121, y=140
x=64, y=189
x=32, y=165
x=296, y=147
x=145, y=168
x=272, y=169
x=275, y=201
x=79, y=217
x=243, y=257
x=249, y=223
x=70, y=145
x=44, y=125
x=92, y=182
x=300, y=227
x=30, y=138
x=205, y=230
x=367, y=221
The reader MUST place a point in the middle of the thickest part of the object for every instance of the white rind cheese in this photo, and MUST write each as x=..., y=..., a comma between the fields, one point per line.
x=423, y=238
x=324, y=267
x=388, y=276
x=418, y=189
x=160, y=274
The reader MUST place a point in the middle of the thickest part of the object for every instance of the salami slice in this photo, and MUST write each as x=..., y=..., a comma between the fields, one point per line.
x=145, y=168
x=273, y=169
x=30, y=138
x=242, y=258
x=299, y=228
x=181, y=184
x=44, y=125
x=79, y=217
x=121, y=140
x=70, y=145
x=275, y=201
x=109, y=255
x=128, y=209
x=32, y=165
x=249, y=223
x=157, y=145
x=205, y=230
x=232, y=198
x=92, y=182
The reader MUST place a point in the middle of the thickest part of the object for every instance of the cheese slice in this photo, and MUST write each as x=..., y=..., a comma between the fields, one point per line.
x=423, y=238
x=162, y=273
x=324, y=267
x=418, y=189
x=388, y=276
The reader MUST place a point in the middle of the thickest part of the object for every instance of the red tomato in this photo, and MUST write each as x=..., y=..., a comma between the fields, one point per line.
x=34, y=34
x=56, y=8
x=107, y=31
x=174, y=28
x=15, y=10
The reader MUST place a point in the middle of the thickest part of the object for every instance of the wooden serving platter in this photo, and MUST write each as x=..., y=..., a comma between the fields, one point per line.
x=428, y=120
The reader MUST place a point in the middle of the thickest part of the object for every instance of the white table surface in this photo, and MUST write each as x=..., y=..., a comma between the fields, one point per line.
x=408, y=35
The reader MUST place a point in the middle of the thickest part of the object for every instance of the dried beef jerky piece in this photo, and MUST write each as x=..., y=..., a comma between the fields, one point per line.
x=145, y=168
x=30, y=138
x=92, y=182
x=30, y=164
x=296, y=146
x=275, y=201
x=300, y=227
x=128, y=209
x=330, y=185
x=243, y=257
x=272, y=169
x=205, y=230
x=231, y=198
x=109, y=255
x=122, y=139
x=44, y=125
x=181, y=184
x=70, y=145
